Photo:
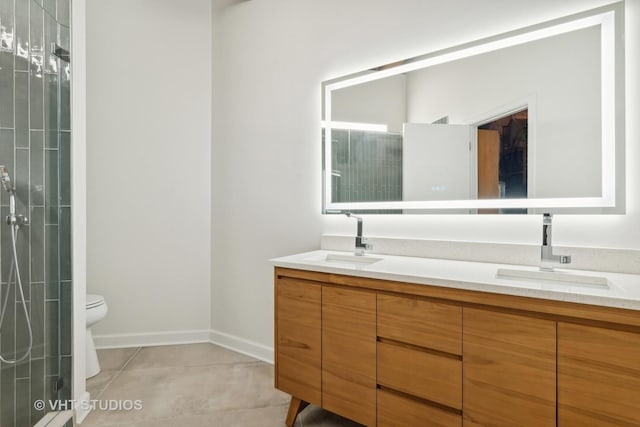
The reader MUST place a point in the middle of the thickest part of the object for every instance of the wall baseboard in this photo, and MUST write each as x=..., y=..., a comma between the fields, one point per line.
x=150, y=339
x=242, y=345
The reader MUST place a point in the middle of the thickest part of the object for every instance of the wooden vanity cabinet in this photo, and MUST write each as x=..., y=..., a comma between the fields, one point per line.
x=598, y=377
x=393, y=354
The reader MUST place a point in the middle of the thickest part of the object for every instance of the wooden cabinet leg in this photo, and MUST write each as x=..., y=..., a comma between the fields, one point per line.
x=295, y=407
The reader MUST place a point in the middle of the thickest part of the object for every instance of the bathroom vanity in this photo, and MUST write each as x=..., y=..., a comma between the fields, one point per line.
x=402, y=341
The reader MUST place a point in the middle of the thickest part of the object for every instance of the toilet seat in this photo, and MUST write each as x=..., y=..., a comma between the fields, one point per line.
x=94, y=300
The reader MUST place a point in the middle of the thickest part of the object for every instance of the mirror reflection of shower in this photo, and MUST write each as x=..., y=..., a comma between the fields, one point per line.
x=14, y=221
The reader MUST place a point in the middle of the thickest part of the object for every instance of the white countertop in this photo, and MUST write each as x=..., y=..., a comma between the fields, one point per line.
x=621, y=291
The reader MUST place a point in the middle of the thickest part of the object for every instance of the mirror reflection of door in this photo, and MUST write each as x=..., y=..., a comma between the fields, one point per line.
x=488, y=167
x=502, y=160
x=436, y=162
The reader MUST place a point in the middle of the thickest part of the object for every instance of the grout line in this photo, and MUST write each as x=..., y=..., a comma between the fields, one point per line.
x=15, y=296
x=118, y=372
x=126, y=363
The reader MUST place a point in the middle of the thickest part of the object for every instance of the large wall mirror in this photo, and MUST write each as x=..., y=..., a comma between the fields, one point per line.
x=523, y=122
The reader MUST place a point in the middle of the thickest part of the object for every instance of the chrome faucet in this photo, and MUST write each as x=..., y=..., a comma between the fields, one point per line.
x=547, y=258
x=361, y=246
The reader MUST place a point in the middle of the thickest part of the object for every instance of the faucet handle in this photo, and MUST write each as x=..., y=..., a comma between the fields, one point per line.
x=367, y=246
x=565, y=259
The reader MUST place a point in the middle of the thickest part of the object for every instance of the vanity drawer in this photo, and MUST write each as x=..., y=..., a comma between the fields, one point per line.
x=398, y=411
x=420, y=322
x=419, y=373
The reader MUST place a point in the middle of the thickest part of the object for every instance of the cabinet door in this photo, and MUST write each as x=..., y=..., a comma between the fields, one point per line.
x=298, y=329
x=598, y=377
x=509, y=370
x=349, y=354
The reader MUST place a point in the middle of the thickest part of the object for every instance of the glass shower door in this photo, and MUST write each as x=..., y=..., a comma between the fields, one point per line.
x=35, y=147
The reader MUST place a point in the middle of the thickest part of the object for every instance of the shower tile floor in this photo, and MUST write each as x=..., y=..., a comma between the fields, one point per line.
x=193, y=385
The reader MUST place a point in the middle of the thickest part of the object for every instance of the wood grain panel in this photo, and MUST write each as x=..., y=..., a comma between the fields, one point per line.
x=298, y=339
x=420, y=322
x=349, y=354
x=509, y=367
x=560, y=309
x=399, y=411
x=295, y=407
x=488, y=166
x=598, y=377
x=425, y=375
x=301, y=274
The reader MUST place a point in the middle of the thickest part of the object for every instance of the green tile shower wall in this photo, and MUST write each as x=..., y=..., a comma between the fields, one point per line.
x=366, y=166
x=35, y=145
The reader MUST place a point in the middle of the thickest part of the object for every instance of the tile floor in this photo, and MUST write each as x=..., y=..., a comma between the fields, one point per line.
x=193, y=385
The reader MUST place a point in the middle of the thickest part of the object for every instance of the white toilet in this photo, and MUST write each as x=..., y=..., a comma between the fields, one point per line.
x=96, y=310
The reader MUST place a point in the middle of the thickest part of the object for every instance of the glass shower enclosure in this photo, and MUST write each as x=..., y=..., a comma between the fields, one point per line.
x=35, y=143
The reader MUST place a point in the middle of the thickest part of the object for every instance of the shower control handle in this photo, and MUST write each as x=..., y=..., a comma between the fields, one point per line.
x=18, y=220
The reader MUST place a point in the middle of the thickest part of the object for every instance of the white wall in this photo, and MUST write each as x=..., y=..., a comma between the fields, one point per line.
x=264, y=163
x=148, y=166
x=266, y=175
x=381, y=101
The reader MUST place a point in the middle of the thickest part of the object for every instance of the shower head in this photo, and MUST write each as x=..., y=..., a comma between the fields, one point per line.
x=6, y=179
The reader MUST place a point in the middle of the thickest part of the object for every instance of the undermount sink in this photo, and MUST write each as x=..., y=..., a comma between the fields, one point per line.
x=354, y=260
x=553, y=276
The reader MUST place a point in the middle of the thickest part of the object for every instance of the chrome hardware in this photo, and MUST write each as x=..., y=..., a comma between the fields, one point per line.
x=361, y=244
x=547, y=258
